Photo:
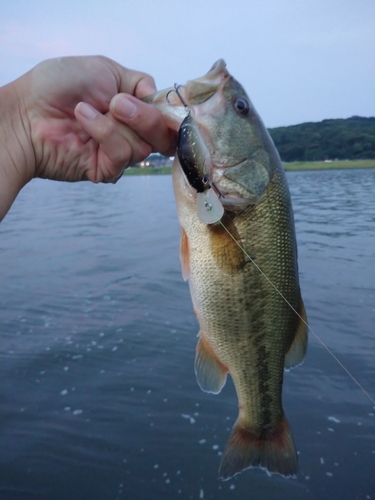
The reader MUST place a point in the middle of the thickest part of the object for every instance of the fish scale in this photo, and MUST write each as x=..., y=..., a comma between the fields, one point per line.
x=236, y=303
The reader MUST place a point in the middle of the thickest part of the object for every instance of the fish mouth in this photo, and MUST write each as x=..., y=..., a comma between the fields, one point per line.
x=175, y=102
x=232, y=199
x=201, y=89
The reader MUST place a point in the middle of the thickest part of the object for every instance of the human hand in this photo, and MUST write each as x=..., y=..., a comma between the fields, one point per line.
x=73, y=134
x=55, y=123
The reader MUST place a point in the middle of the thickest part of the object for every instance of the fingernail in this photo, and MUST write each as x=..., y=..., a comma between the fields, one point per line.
x=125, y=107
x=86, y=110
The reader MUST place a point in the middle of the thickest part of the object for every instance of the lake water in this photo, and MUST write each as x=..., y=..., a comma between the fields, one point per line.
x=98, y=394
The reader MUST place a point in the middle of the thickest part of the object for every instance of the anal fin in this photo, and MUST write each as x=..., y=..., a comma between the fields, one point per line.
x=297, y=350
x=210, y=372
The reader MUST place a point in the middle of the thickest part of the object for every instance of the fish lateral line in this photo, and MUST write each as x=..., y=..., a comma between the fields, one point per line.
x=216, y=219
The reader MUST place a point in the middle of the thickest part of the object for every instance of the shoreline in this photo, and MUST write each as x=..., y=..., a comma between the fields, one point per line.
x=295, y=166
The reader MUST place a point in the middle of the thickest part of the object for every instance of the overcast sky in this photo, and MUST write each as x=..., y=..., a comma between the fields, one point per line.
x=299, y=60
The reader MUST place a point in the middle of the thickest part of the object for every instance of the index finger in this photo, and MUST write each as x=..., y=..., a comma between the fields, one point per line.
x=143, y=119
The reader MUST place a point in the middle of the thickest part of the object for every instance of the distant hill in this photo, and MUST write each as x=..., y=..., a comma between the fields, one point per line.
x=343, y=139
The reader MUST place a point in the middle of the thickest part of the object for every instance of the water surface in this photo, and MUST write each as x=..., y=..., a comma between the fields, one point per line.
x=98, y=394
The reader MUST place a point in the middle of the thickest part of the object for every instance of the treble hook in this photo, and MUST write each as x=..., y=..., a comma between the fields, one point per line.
x=168, y=96
x=176, y=87
x=217, y=190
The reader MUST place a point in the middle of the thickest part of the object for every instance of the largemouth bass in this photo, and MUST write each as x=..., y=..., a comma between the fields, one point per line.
x=247, y=329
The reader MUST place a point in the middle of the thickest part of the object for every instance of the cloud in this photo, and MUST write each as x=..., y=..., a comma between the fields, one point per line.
x=299, y=60
x=21, y=41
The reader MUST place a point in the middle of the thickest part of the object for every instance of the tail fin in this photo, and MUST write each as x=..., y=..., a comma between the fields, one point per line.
x=273, y=451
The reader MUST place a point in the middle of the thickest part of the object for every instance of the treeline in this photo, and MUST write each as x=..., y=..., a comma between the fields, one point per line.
x=343, y=139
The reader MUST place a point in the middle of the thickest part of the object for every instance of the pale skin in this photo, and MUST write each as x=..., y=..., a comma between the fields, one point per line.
x=75, y=119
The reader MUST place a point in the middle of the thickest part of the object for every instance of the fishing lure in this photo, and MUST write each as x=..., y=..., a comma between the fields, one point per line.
x=193, y=162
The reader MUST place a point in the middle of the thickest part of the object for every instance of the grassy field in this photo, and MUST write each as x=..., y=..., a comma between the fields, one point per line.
x=322, y=165
x=148, y=171
x=311, y=165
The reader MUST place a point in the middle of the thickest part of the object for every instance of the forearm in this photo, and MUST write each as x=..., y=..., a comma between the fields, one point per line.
x=17, y=163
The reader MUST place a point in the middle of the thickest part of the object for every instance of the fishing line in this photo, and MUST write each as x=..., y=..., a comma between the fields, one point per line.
x=209, y=199
x=294, y=310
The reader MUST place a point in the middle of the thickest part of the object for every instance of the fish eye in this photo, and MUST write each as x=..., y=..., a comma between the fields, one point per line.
x=242, y=106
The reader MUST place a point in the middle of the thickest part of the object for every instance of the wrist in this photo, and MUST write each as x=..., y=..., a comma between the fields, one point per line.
x=17, y=160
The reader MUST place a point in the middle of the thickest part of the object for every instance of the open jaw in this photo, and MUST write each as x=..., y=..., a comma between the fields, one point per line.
x=176, y=102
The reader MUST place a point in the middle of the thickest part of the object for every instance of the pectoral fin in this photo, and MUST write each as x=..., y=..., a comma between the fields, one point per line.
x=184, y=255
x=297, y=350
x=210, y=372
